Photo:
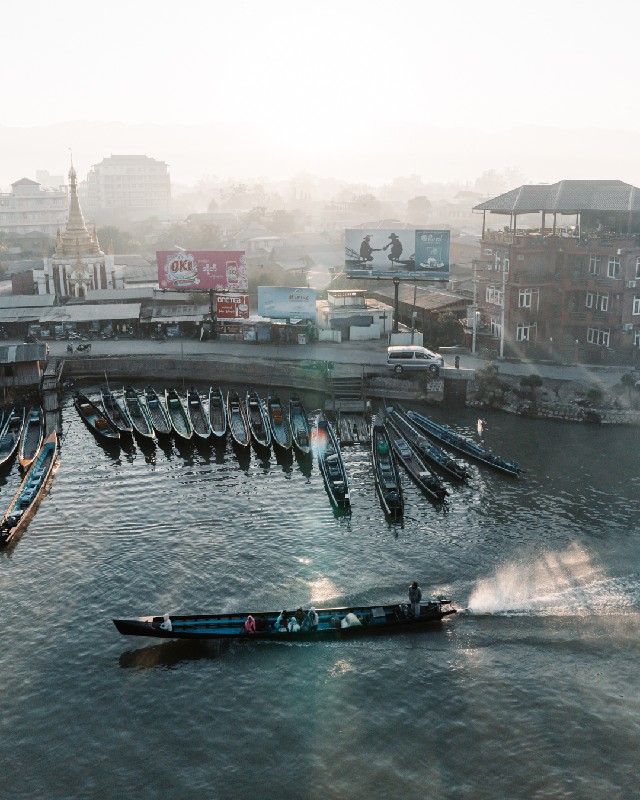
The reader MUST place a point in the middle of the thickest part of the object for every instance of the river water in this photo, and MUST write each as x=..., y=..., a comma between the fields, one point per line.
x=530, y=691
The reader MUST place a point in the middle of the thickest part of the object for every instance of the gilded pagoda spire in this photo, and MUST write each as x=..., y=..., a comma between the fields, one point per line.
x=76, y=240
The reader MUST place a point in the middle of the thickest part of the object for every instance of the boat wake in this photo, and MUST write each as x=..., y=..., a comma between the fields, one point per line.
x=555, y=584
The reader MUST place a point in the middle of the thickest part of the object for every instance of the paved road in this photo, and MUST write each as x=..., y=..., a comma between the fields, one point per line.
x=367, y=354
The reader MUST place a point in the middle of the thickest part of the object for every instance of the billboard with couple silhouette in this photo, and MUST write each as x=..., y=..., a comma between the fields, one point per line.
x=407, y=254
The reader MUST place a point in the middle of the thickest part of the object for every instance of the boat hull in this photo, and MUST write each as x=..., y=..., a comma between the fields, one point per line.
x=383, y=619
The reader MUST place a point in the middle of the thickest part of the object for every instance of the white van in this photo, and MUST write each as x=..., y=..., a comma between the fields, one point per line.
x=411, y=357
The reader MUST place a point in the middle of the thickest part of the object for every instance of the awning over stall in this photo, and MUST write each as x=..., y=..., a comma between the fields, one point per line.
x=91, y=313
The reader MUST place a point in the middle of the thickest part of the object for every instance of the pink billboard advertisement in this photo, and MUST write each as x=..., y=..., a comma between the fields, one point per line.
x=197, y=270
x=232, y=306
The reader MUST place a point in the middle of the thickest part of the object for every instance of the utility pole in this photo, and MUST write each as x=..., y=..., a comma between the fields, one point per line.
x=502, y=310
x=474, y=309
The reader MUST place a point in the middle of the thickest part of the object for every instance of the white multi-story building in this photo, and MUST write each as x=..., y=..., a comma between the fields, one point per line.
x=32, y=208
x=130, y=188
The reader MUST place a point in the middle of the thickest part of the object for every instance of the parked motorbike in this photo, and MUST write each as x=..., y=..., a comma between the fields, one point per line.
x=83, y=348
x=69, y=348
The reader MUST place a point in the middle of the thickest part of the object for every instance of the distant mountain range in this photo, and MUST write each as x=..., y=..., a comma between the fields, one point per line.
x=368, y=153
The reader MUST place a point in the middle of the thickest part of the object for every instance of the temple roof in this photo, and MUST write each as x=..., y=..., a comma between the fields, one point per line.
x=566, y=197
x=76, y=241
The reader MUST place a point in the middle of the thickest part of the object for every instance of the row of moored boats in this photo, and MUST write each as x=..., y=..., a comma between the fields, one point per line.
x=22, y=432
x=150, y=414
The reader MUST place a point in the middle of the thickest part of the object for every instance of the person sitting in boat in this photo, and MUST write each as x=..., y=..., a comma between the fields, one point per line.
x=293, y=626
x=250, y=625
x=300, y=615
x=166, y=623
x=310, y=622
x=281, y=621
x=415, y=596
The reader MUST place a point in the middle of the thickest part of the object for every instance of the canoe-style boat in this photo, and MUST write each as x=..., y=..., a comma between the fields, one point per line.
x=299, y=423
x=28, y=496
x=279, y=424
x=217, y=413
x=158, y=413
x=385, y=472
x=32, y=437
x=11, y=434
x=331, y=463
x=430, y=484
x=463, y=445
x=237, y=418
x=300, y=625
x=197, y=414
x=180, y=421
x=258, y=422
x=428, y=449
x=116, y=411
x=95, y=419
x=138, y=413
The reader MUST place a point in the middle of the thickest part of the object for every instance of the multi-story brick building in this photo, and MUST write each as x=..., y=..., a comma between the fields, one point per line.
x=568, y=290
x=127, y=188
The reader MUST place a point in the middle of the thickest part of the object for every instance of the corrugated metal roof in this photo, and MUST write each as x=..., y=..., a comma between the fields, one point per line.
x=20, y=314
x=26, y=300
x=19, y=353
x=119, y=295
x=188, y=313
x=91, y=313
x=566, y=197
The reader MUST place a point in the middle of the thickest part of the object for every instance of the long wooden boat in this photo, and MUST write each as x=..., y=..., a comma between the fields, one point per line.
x=95, y=419
x=116, y=411
x=27, y=498
x=138, y=413
x=237, y=418
x=385, y=472
x=158, y=413
x=463, y=445
x=11, y=434
x=258, y=422
x=279, y=424
x=217, y=413
x=180, y=421
x=197, y=414
x=428, y=449
x=332, y=623
x=32, y=437
x=425, y=479
x=299, y=423
x=331, y=463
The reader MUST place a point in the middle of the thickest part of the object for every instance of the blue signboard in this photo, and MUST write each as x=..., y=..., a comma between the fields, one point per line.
x=283, y=302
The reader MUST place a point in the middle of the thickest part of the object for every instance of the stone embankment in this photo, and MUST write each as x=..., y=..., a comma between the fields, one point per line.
x=565, y=412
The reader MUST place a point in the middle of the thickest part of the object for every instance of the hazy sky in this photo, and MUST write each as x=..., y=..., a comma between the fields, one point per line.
x=321, y=78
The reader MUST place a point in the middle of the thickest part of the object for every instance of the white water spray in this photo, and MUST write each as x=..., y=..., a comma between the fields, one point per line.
x=566, y=583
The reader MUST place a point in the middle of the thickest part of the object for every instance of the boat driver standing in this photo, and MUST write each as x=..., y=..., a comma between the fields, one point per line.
x=415, y=596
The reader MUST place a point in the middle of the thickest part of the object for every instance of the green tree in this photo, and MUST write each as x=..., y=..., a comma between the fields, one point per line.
x=121, y=240
x=629, y=380
x=531, y=383
x=418, y=208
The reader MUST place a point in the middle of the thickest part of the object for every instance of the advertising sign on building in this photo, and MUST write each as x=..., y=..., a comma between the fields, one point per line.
x=232, y=306
x=421, y=255
x=283, y=302
x=197, y=270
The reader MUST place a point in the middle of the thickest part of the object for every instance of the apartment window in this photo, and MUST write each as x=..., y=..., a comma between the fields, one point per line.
x=636, y=338
x=638, y=267
x=494, y=295
x=594, y=265
x=488, y=252
x=496, y=328
x=613, y=267
x=599, y=302
x=523, y=332
x=597, y=336
x=524, y=298
x=636, y=304
x=498, y=263
x=506, y=265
